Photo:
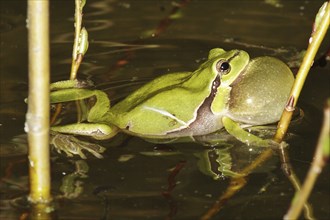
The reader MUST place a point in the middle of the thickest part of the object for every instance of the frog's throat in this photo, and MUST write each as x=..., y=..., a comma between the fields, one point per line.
x=205, y=118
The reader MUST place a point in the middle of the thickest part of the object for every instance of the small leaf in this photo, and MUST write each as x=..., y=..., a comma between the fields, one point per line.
x=82, y=3
x=326, y=147
x=83, y=41
x=320, y=15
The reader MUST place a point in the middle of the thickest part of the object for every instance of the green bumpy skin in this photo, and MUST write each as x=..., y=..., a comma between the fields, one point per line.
x=228, y=90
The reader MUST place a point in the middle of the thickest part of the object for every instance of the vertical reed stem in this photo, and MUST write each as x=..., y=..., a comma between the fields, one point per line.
x=37, y=117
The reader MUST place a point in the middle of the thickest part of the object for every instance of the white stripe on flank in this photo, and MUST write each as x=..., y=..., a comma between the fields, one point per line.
x=166, y=114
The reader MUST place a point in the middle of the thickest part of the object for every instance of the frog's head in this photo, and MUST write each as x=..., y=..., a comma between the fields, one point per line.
x=229, y=64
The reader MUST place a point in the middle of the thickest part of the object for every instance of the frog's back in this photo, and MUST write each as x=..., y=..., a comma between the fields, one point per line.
x=161, y=106
x=150, y=89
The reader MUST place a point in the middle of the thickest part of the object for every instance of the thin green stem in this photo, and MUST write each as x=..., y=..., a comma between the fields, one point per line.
x=238, y=183
x=77, y=25
x=318, y=163
x=316, y=40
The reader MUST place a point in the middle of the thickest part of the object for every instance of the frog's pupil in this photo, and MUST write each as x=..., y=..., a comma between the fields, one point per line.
x=224, y=66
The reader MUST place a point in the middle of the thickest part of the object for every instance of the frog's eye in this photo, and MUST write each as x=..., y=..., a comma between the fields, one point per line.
x=223, y=67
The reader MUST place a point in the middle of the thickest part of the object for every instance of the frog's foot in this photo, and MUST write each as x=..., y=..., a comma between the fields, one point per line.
x=73, y=146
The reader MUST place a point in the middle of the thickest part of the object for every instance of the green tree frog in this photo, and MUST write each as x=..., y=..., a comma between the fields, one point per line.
x=227, y=91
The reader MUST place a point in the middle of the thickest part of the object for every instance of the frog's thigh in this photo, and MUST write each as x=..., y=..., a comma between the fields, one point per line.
x=67, y=95
x=97, y=131
x=69, y=84
x=239, y=133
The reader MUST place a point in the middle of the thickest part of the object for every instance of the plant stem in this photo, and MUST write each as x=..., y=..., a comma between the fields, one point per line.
x=37, y=117
x=80, y=46
x=321, y=154
x=238, y=183
x=317, y=38
x=77, y=24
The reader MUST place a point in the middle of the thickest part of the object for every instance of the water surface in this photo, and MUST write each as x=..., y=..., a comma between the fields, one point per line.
x=132, y=42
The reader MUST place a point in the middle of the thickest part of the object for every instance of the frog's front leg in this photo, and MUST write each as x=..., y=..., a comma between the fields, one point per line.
x=239, y=133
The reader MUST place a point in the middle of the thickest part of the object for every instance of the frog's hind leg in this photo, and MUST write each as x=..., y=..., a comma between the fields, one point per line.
x=97, y=131
x=63, y=140
x=69, y=84
x=99, y=109
x=95, y=128
x=74, y=90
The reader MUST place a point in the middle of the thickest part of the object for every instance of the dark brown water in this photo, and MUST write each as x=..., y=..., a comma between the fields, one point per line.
x=140, y=34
